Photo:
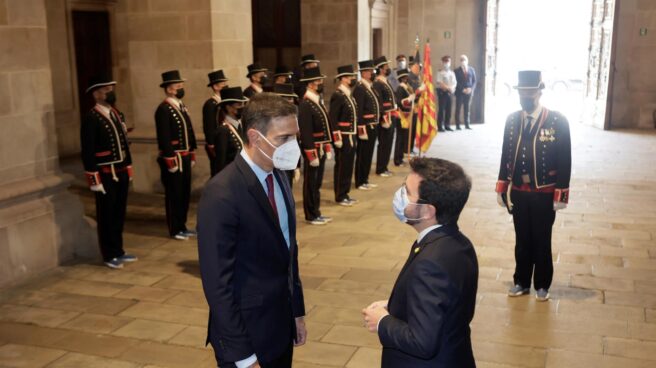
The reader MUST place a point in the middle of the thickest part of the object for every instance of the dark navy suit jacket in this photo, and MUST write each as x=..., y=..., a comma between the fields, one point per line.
x=250, y=276
x=463, y=81
x=432, y=304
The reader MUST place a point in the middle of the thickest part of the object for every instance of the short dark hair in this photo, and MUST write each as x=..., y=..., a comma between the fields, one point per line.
x=399, y=57
x=261, y=109
x=446, y=58
x=445, y=185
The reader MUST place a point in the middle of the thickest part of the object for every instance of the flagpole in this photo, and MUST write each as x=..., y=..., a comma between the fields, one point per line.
x=412, y=108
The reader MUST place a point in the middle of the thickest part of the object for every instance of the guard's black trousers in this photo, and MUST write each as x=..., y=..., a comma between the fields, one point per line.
x=401, y=143
x=413, y=132
x=344, y=162
x=385, y=142
x=110, y=214
x=212, y=158
x=444, y=111
x=533, y=216
x=463, y=102
x=312, y=180
x=364, y=156
x=177, y=188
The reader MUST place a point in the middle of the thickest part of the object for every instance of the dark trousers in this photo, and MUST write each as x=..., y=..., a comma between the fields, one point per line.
x=463, y=102
x=401, y=144
x=283, y=361
x=444, y=111
x=533, y=216
x=413, y=133
x=177, y=187
x=364, y=156
x=312, y=180
x=213, y=164
x=110, y=214
x=385, y=143
x=344, y=163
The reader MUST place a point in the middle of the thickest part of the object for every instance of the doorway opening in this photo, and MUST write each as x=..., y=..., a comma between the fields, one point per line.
x=276, y=32
x=93, y=55
x=569, y=41
x=377, y=42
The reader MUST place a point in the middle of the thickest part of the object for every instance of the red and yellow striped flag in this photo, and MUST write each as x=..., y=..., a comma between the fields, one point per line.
x=427, y=114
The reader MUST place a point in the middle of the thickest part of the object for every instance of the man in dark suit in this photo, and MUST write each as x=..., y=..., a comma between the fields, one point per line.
x=247, y=245
x=425, y=323
x=536, y=165
x=466, y=84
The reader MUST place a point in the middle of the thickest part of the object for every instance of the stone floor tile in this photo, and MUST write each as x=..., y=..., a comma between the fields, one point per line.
x=94, y=344
x=167, y=313
x=35, y=315
x=644, y=350
x=96, y=323
x=317, y=330
x=365, y=358
x=76, y=360
x=90, y=288
x=149, y=330
x=169, y=355
x=192, y=336
x=351, y=335
x=146, y=293
x=325, y=354
x=508, y=354
x=12, y=355
x=28, y=334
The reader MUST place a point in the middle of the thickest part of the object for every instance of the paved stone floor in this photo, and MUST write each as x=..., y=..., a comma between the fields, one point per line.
x=603, y=311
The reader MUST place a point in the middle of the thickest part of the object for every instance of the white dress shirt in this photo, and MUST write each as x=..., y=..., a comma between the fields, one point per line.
x=448, y=77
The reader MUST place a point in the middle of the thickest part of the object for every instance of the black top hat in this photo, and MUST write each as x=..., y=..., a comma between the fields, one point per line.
x=309, y=58
x=402, y=73
x=216, y=77
x=172, y=76
x=281, y=70
x=411, y=60
x=529, y=79
x=99, y=81
x=311, y=74
x=380, y=61
x=345, y=70
x=232, y=94
x=366, y=65
x=255, y=68
x=284, y=90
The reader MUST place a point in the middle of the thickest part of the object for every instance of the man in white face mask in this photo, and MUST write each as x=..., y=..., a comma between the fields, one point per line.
x=247, y=245
x=425, y=322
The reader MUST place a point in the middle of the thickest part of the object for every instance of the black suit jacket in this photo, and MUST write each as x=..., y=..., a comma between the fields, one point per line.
x=432, y=304
x=468, y=81
x=250, y=277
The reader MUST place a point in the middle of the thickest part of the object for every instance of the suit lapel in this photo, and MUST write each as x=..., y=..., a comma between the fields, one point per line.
x=257, y=191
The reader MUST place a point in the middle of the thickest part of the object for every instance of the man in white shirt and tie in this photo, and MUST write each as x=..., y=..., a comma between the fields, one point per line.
x=445, y=82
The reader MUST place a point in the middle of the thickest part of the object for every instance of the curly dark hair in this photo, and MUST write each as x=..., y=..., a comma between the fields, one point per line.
x=445, y=185
x=261, y=109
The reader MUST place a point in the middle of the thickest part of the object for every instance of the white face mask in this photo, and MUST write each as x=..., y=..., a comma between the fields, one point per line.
x=403, y=64
x=447, y=65
x=285, y=156
x=400, y=202
x=464, y=63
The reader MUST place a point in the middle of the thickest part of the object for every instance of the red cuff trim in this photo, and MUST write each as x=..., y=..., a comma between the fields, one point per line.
x=93, y=178
x=171, y=162
x=561, y=195
x=130, y=171
x=362, y=130
x=337, y=136
x=312, y=154
x=502, y=186
x=327, y=148
x=193, y=156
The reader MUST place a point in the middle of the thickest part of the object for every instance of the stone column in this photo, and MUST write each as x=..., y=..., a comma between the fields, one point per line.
x=329, y=30
x=41, y=224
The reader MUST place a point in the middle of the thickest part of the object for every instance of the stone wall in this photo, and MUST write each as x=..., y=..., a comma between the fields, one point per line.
x=329, y=31
x=634, y=83
x=32, y=191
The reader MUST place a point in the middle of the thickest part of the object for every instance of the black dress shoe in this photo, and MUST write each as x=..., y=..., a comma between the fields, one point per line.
x=448, y=129
x=440, y=129
x=458, y=128
x=468, y=128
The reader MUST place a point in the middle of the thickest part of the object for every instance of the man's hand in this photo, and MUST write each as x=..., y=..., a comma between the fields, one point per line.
x=255, y=365
x=500, y=200
x=98, y=188
x=382, y=303
x=297, y=175
x=373, y=315
x=301, y=332
x=559, y=206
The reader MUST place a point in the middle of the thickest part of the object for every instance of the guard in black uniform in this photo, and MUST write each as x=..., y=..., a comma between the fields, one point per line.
x=282, y=75
x=286, y=91
x=343, y=121
x=536, y=163
x=228, y=138
x=388, y=116
x=217, y=81
x=257, y=74
x=307, y=61
x=177, y=143
x=405, y=95
x=108, y=168
x=368, y=116
x=314, y=128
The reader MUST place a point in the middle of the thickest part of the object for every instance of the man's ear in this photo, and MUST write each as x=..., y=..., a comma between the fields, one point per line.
x=432, y=211
x=252, y=135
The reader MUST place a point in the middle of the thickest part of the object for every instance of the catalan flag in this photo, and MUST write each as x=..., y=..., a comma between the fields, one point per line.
x=427, y=114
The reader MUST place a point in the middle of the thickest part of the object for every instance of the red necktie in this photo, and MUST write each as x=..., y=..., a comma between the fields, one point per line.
x=272, y=195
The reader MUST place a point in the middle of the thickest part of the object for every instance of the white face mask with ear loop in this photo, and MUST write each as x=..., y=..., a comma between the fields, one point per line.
x=286, y=156
x=400, y=202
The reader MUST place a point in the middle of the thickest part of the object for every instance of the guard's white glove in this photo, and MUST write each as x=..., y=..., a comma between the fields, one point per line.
x=559, y=206
x=98, y=188
x=297, y=175
x=329, y=155
x=500, y=200
x=314, y=163
x=339, y=144
x=173, y=169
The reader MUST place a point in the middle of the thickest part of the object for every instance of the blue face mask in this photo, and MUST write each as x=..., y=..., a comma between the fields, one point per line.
x=400, y=202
